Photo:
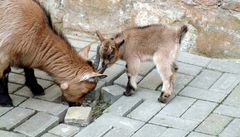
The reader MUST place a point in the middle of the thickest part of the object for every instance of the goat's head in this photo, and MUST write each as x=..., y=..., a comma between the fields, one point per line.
x=109, y=50
x=84, y=81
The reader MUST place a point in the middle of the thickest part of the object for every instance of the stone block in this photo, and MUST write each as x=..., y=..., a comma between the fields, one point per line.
x=10, y=134
x=151, y=81
x=171, y=132
x=150, y=130
x=232, y=130
x=52, y=94
x=193, y=59
x=228, y=111
x=123, y=80
x=110, y=94
x=188, y=69
x=234, y=98
x=118, y=132
x=64, y=130
x=224, y=66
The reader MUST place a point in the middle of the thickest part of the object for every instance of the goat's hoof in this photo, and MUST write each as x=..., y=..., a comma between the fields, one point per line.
x=163, y=97
x=6, y=101
x=37, y=90
x=127, y=93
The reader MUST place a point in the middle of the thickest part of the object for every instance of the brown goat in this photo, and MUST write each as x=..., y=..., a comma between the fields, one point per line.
x=28, y=41
x=157, y=42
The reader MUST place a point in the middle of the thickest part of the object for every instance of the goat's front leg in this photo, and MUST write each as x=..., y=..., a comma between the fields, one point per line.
x=132, y=72
x=31, y=82
x=5, y=99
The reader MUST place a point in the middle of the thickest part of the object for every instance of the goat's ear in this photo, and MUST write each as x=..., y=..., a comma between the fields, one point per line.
x=64, y=86
x=84, y=52
x=119, y=42
x=94, y=77
x=100, y=36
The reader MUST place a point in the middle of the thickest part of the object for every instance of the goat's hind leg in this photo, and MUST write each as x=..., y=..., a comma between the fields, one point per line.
x=31, y=82
x=5, y=99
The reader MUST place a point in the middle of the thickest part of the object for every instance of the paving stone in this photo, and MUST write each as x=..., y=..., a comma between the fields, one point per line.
x=232, y=130
x=110, y=94
x=16, y=70
x=118, y=132
x=113, y=73
x=52, y=94
x=44, y=83
x=94, y=130
x=120, y=122
x=234, y=98
x=228, y=111
x=121, y=62
x=214, y=124
x=146, y=67
x=10, y=134
x=146, y=110
x=147, y=94
x=4, y=110
x=38, y=124
x=49, y=135
x=196, y=134
x=64, y=130
x=205, y=79
x=78, y=43
x=193, y=59
x=13, y=87
x=151, y=81
x=42, y=75
x=17, y=99
x=199, y=110
x=171, y=132
x=224, y=66
x=210, y=95
x=123, y=80
x=174, y=122
x=24, y=91
x=78, y=116
x=149, y=130
x=124, y=106
x=188, y=69
x=226, y=83
x=15, y=117
x=16, y=78
x=177, y=106
x=55, y=109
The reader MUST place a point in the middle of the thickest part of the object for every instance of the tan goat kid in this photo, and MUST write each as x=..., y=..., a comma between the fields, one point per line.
x=28, y=41
x=156, y=42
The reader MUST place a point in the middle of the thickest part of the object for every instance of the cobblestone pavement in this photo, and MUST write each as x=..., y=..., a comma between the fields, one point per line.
x=205, y=103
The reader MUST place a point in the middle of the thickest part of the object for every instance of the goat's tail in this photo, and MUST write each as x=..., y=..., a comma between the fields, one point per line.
x=182, y=31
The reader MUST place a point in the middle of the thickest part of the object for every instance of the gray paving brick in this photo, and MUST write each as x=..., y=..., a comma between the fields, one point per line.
x=16, y=70
x=232, y=130
x=205, y=79
x=52, y=94
x=78, y=43
x=210, y=95
x=17, y=99
x=234, y=98
x=146, y=67
x=113, y=73
x=177, y=106
x=196, y=134
x=15, y=117
x=188, y=69
x=171, y=132
x=38, y=124
x=123, y=79
x=94, y=130
x=16, y=78
x=228, y=111
x=174, y=122
x=64, y=130
x=149, y=130
x=4, y=110
x=124, y=106
x=121, y=62
x=151, y=81
x=147, y=94
x=199, y=110
x=78, y=116
x=193, y=59
x=118, y=132
x=24, y=91
x=42, y=75
x=226, y=83
x=214, y=124
x=44, y=83
x=112, y=93
x=120, y=122
x=49, y=135
x=13, y=87
x=10, y=134
x=225, y=66
x=146, y=110
x=44, y=106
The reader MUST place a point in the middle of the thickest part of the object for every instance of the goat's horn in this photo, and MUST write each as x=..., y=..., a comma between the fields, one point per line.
x=97, y=59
